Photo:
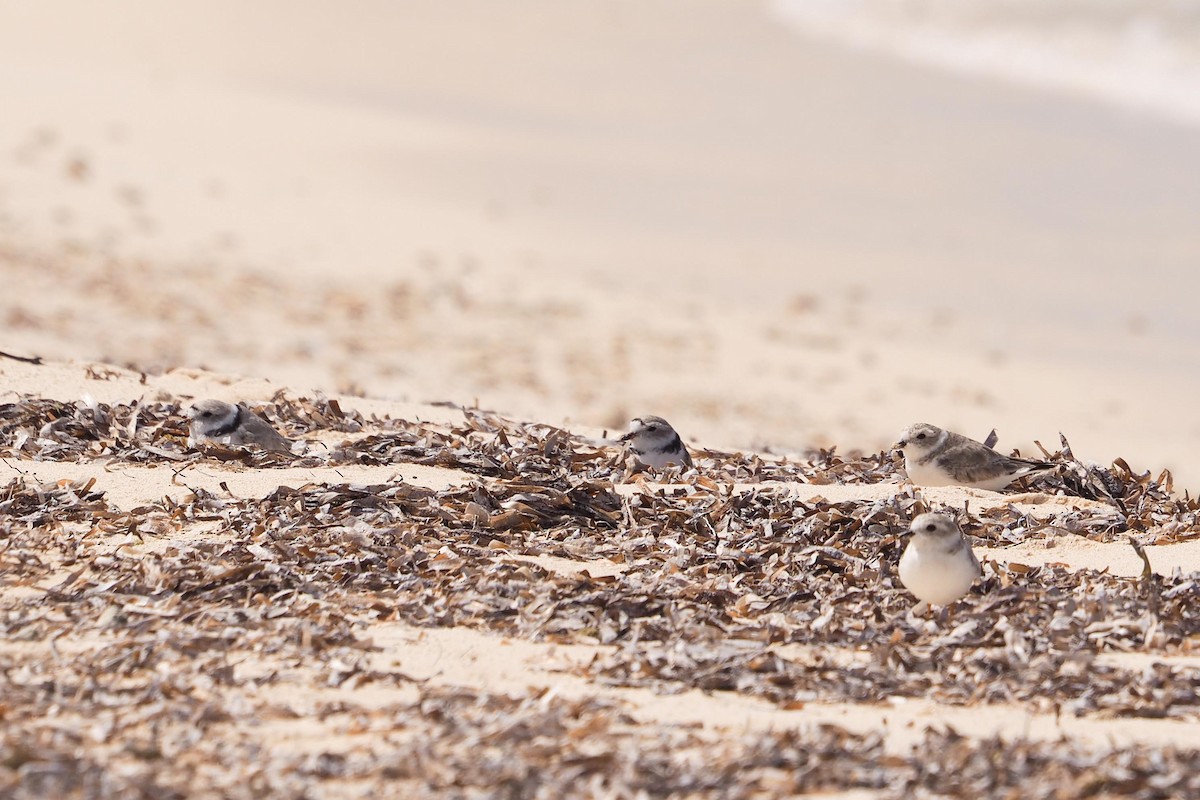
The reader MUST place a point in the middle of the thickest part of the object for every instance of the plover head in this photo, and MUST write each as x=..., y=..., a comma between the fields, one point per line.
x=210, y=416
x=920, y=436
x=934, y=527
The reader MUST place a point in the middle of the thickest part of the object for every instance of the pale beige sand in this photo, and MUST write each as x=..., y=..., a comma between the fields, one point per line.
x=559, y=211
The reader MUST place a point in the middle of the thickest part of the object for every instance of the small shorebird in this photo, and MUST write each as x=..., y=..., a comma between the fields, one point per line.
x=217, y=421
x=938, y=565
x=934, y=457
x=655, y=443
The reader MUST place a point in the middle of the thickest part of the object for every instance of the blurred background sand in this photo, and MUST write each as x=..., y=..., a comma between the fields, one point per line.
x=771, y=228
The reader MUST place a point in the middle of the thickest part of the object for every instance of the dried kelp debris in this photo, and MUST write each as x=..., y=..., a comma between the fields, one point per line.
x=489, y=445
x=945, y=670
x=485, y=443
x=459, y=742
x=722, y=559
x=155, y=712
x=156, y=612
x=40, y=505
x=51, y=430
x=146, y=431
x=302, y=415
x=1141, y=502
x=826, y=466
x=547, y=747
x=946, y=764
x=699, y=569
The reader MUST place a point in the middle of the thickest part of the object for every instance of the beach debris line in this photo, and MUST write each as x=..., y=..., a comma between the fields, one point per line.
x=698, y=580
x=211, y=608
x=488, y=445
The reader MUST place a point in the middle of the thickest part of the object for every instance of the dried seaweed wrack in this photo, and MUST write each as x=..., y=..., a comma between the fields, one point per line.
x=307, y=565
x=714, y=583
x=141, y=432
x=1141, y=502
x=35, y=505
x=820, y=576
x=50, y=430
x=458, y=741
x=488, y=444
x=485, y=444
x=825, y=466
x=304, y=415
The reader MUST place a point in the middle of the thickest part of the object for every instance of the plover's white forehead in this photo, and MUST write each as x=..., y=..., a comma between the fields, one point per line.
x=651, y=422
x=209, y=408
x=919, y=433
x=937, y=524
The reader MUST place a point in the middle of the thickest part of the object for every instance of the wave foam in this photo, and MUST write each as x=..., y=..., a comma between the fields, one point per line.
x=1136, y=53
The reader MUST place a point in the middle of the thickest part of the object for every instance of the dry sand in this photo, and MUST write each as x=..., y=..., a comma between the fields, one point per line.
x=574, y=213
x=586, y=211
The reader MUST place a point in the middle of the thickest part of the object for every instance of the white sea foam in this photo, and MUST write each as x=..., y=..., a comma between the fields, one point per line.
x=1142, y=54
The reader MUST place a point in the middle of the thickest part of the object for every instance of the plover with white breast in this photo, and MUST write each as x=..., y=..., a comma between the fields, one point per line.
x=938, y=565
x=935, y=457
x=226, y=423
x=656, y=444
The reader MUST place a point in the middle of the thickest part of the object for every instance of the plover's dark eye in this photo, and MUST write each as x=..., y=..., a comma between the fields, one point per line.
x=651, y=428
x=920, y=436
x=206, y=414
x=930, y=528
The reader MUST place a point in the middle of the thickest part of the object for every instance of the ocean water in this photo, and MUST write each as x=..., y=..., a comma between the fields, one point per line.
x=1140, y=54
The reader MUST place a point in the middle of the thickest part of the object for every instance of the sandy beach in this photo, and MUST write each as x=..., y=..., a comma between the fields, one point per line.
x=469, y=224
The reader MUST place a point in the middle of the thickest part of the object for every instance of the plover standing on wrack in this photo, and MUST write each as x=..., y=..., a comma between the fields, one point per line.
x=938, y=565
